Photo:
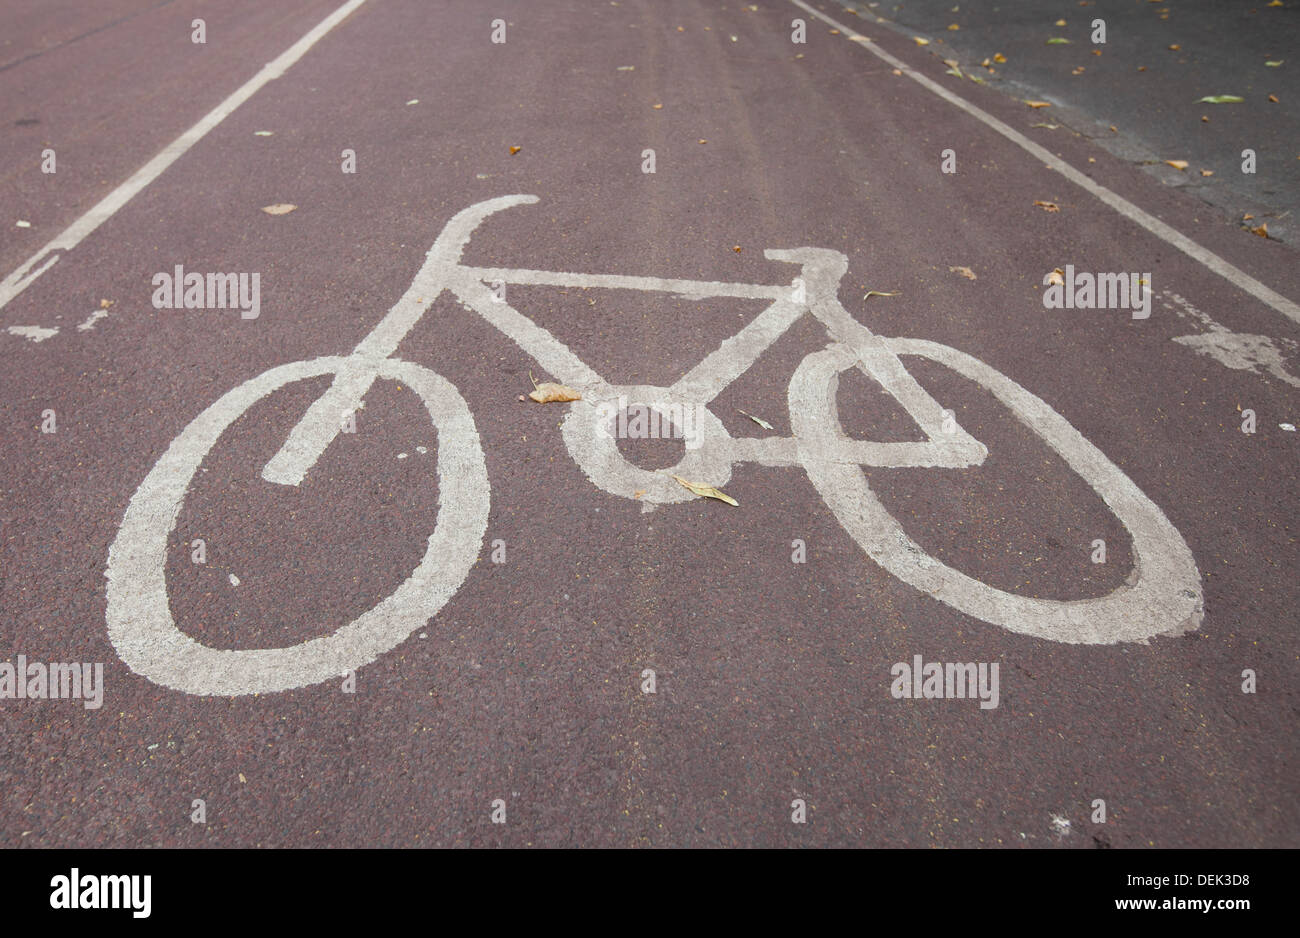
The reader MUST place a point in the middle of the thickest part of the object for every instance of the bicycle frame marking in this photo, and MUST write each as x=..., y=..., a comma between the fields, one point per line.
x=596, y=454
x=1161, y=596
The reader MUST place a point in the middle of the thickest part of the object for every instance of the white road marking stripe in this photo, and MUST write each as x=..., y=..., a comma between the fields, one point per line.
x=691, y=288
x=26, y=274
x=1209, y=259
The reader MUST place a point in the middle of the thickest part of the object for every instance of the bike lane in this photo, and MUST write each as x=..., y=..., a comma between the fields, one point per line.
x=772, y=677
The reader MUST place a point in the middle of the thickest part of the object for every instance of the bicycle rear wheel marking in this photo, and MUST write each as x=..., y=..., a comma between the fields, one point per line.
x=140, y=623
x=1163, y=595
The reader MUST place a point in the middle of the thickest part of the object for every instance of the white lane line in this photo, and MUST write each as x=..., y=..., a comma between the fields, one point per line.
x=26, y=274
x=1214, y=262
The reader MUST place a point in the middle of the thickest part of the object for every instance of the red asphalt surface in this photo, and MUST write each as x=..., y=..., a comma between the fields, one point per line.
x=773, y=677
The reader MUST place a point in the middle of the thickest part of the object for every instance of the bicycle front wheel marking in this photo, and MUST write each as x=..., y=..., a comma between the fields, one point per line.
x=1162, y=596
x=140, y=623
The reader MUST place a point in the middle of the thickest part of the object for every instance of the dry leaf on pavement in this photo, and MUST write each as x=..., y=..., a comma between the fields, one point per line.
x=279, y=208
x=707, y=491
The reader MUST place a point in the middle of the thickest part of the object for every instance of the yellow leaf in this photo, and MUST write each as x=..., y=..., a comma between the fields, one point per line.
x=920, y=42
x=1262, y=230
x=1048, y=206
x=1177, y=164
x=1273, y=98
x=280, y=208
x=954, y=27
x=1175, y=47
x=1060, y=22
x=707, y=491
x=1207, y=172
x=514, y=150
x=964, y=271
x=548, y=393
x=1038, y=104
x=657, y=107
x=999, y=57
x=1056, y=278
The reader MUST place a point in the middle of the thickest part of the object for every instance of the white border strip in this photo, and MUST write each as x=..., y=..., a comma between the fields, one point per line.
x=1214, y=262
x=25, y=275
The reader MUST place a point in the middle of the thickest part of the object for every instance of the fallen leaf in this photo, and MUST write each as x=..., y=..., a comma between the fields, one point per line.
x=549, y=392
x=412, y=101
x=1048, y=126
x=1247, y=217
x=105, y=304
x=736, y=248
x=878, y=293
x=1177, y=164
x=1058, y=41
x=999, y=57
x=985, y=64
x=1220, y=99
x=897, y=72
x=263, y=133
x=707, y=491
x=758, y=420
x=1059, y=23
x=1038, y=104
x=242, y=779
x=1047, y=206
x=1142, y=68
x=1207, y=172
x=1175, y=47
x=1262, y=230
x=1077, y=71
x=1275, y=3
x=1096, y=52
x=23, y=224
x=964, y=271
x=1205, y=119
x=920, y=42
x=657, y=107
x=953, y=27
x=1273, y=99
x=1056, y=278
x=627, y=68
x=1113, y=129
x=638, y=493
x=703, y=141
x=1275, y=64
x=514, y=150
x=279, y=208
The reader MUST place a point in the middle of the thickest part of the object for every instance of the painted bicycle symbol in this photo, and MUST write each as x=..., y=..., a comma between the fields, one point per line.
x=1161, y=595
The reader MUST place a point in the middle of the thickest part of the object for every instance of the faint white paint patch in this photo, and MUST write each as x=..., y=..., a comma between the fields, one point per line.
x=35, y=333
x=1241, y=352
x=1237, y=350
x=95, y=317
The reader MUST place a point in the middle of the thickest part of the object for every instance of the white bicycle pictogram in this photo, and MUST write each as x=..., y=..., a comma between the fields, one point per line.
x=1161, y=595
